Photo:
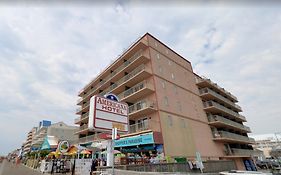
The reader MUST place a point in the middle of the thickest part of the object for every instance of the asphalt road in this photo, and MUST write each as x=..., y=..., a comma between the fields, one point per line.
x=8, y=168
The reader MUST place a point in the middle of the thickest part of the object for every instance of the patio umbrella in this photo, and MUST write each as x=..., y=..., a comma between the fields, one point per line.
x=115, y=152
x=85, y=152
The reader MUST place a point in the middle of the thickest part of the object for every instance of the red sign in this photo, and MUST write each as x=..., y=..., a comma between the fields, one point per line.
x=107, y=136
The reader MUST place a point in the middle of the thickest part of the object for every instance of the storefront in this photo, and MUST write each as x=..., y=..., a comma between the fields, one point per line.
x=140, y=148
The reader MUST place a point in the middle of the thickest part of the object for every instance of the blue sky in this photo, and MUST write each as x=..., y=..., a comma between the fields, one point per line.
x=49, y=52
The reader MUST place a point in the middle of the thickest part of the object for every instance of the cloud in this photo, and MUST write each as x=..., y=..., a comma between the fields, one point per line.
x=47, y=54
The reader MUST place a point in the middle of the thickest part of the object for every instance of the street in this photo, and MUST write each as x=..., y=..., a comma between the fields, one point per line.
x=8, y=168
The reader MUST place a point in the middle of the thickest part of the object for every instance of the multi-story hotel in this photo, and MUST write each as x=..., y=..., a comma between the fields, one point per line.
x=27, y=143
x=174, y=110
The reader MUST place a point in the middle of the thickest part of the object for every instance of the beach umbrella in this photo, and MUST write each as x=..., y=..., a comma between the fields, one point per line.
x=85, y=152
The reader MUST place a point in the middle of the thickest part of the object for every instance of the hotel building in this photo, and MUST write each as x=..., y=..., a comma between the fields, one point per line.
x=27, y=143
x=179, y=112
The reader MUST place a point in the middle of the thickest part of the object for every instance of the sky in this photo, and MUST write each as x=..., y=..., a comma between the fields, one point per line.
x=48, y=52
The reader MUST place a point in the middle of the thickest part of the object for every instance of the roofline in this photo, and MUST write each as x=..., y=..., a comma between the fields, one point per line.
x=167, y=46
x=125, y=52
x=120, y=56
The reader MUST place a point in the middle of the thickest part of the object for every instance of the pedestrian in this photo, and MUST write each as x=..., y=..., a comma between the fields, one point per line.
x=94, y=167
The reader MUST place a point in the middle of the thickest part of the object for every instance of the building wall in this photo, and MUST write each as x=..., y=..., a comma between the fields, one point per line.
x=63, y=132
x=181, y=108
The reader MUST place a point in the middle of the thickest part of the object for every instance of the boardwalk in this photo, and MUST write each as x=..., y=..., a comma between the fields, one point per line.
x=7, y=168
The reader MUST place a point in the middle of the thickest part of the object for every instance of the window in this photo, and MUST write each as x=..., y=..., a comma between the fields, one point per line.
x=158, y=56
x=156, y=44
x=173, y=76
x=164, y=84
x=160, y=69
x=166, y=101
x=170, y=62
x=179, y=106
x=167, y=51
x=175, y=89
x=170, y=120
x=183, y=125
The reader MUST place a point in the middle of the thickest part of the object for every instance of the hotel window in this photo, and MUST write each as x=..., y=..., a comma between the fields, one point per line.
x=160, y=69
x=158, y=56
x=170, y=120
x=175, y=89
x=166, y=101
x=179, y=106
x=164, y=84
x=183, y=125
x=173, y=76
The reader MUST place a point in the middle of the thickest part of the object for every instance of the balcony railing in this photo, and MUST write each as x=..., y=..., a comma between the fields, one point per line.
x=81, y=117
x=224, y=109
x=143, y=125
x=135, y=89
x=199, y=80
x=83, y=127
x=107, y=78
x=141, y=105
x=214, y=118
x=80, y=108
x=125, y=78
x=88, y=138
x=222, y=98
x=242, y=152
x=232, y=136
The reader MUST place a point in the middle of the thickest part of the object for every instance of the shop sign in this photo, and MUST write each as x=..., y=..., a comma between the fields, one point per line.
x=134, y=141
x=63, y=146
x=106, y=114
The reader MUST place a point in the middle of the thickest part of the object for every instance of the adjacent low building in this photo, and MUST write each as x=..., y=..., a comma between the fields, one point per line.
x=172, y=111
x=60, y=131
x=266, y=143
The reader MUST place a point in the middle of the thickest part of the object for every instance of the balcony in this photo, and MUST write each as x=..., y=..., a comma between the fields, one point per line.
x=211, y=106
x=82, y=129
x=229, y=137
x=83, y=108
x=136, y=92
x=209, y=94
x=88, y=139
x=141, y=108
x=137, y=59
x=235, y=152
x=145, y=125
x=204, y=82
x=138, y=74
x=218, y=121
x=83, y=118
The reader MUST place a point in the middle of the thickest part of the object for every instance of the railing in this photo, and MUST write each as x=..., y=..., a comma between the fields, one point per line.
x=229, y=111
x=83, y=127
x=247, y=152
x=213, y=118
x=207, y=90
x=79, y=100
x=80, y=108
x=225, y=134
x=198, y=80
x=88, y=138
x=134, y=89
x=125, y=64
x=141, y=105
x=125, y=78
x=81, y=118
x=142, y=126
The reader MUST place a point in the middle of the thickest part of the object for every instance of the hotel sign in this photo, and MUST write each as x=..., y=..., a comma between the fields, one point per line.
x=106, y=114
